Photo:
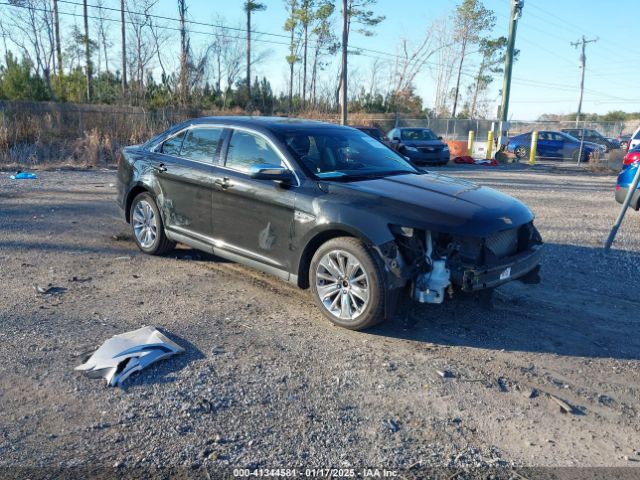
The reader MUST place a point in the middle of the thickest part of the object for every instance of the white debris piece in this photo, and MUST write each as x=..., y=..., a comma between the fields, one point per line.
x=123, y=354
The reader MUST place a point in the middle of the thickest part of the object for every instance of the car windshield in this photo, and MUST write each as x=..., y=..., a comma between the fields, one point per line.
x=417, y=134
x=571, y=138
x=344, y=154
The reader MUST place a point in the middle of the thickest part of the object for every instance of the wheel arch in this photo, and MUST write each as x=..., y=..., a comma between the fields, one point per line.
x=133, y=193
x=316, y=241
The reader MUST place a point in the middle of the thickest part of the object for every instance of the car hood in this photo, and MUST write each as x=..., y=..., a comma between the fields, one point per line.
x=591, y=145
x=435, y=202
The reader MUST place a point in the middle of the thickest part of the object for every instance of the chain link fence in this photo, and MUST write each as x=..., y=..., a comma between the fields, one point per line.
x=36, y=132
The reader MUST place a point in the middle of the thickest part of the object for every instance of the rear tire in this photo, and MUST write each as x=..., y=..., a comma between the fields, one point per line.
x=347, y=283
x=147, y=226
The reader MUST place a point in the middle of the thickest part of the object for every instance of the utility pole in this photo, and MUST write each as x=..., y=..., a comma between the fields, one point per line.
x=345, y=43
x=56, y=32
x=87, y=51
x=516, y=13
x=583, y=65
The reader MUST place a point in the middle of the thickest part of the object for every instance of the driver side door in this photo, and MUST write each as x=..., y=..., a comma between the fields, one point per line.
x=253, y=218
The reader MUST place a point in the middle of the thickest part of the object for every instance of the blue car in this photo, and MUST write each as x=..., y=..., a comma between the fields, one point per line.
x=553, y=145
x=630, y=166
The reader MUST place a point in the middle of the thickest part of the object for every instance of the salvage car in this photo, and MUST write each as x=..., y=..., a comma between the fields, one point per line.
x=325, y=207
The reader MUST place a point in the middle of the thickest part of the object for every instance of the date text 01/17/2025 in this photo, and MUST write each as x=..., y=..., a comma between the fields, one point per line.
x=315, y=472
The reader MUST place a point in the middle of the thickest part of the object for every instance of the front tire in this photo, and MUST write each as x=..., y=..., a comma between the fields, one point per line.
x=147, y=226
x=521, y=152
x=347, y=283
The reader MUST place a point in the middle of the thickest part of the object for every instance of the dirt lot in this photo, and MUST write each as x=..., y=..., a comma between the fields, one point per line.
x=267, y=382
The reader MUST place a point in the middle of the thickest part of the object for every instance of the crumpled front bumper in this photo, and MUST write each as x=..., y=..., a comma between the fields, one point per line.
x=524, y=266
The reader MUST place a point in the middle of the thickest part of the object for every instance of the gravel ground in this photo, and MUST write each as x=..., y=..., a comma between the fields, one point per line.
x=267, y=382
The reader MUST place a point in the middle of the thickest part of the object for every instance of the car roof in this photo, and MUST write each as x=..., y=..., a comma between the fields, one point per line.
x=266, y=123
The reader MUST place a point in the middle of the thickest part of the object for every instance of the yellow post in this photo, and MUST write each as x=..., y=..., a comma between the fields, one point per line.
x=534, y=146
x=489, y=144
x=470, y=144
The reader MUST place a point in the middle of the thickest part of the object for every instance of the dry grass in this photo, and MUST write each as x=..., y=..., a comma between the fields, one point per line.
x=610, y=162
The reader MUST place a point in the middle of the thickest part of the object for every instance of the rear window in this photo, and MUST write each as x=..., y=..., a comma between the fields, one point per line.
x=172, y=145
x=201, y=144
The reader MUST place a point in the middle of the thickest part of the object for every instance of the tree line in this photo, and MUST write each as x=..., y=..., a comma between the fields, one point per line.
x=456, y=55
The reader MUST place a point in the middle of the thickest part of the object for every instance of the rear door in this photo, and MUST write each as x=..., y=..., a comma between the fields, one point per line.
x=184, y=169
x=253, y=218
x=545, y=147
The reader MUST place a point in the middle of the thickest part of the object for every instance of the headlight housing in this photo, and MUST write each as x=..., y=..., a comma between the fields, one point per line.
x=410, y=149
x=400, y=230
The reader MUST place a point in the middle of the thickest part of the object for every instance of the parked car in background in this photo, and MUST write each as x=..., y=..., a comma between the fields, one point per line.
x=553, y=145
x=373, y=132
x=630, y=166
x=635, y=139
x=325, y=207
x=624, y=141
x=615, y=142
x=592, y=136
x=420, y=145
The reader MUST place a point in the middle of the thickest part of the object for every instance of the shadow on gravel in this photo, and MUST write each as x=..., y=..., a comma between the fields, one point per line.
x=162, y=372
x=586, y=306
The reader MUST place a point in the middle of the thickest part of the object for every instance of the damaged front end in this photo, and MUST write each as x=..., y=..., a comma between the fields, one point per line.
x=437, y=262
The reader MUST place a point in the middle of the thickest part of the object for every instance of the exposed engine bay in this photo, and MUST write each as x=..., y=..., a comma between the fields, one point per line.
x=437, y=262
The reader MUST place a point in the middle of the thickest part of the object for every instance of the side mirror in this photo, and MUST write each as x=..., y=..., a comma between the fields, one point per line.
x=395, y=139
x=439, y=138
x=270, y=172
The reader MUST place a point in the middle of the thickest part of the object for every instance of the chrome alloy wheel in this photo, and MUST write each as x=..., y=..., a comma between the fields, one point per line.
x=145, y=225
x=342, y=285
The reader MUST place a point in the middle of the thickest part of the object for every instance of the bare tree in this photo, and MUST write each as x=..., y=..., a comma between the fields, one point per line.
x=409, y=63
x=103, y=37
x=446, y=54
x=471, y=19
x=142, y=46
x=33, y=34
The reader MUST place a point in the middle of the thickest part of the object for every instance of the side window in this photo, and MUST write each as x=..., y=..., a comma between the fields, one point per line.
x=201, y=144
x=543, y=136
x=247, y=149
x=172, y=146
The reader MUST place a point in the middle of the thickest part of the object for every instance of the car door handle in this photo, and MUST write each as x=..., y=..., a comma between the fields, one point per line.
x=161, y=167
x=223, y=182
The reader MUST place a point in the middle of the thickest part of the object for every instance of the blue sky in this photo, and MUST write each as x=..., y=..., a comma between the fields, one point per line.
x=545, y=78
